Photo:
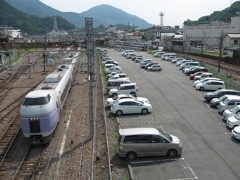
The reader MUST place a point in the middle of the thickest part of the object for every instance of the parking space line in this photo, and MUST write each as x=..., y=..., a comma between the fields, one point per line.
x=187, y=166
x=222, y=125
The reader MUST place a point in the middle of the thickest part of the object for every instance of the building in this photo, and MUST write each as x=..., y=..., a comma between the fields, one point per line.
x=210, y=34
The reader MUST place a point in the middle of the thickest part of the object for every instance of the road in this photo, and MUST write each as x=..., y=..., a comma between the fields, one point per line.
x=209, y=152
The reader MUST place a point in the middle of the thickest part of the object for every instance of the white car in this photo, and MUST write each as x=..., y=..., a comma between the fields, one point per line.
x=112, y=74
x=231, y=112
x=138, y=59
x=177, y=60
x=203, y=76
x=154, y=67
x=236, y=133
x=211, y=85
x=204, y=80
x=130, y=106
x=113, y=69
x=158, y=54
x=131, y=88
x=110, y=101
x=233, y=121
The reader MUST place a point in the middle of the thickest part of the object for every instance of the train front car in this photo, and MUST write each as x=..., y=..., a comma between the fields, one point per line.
x=39, y=114
x=41, y=108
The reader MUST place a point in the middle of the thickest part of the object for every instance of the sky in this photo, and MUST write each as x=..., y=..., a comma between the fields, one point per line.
x=175, y=11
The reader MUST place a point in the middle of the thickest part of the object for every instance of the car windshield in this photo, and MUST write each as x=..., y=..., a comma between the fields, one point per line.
x=167, y=136
x=237, y=117
x=222, y=98
x=234, y=109
x=217, y=91
x=225, y=101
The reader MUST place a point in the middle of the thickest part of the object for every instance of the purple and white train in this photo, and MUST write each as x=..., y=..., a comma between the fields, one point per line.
x=41, y=108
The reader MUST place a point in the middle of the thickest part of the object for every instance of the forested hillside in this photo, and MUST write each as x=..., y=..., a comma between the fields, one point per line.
x=32, y=25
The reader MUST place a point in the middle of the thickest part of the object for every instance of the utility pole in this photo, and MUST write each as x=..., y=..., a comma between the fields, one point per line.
x=90, y=53
x=220, y=50
x=45, y=54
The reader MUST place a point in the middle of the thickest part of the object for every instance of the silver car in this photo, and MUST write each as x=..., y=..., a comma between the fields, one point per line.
x=137, y=142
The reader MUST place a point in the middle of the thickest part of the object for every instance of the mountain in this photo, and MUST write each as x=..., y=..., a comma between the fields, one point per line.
x=109, y=15
x=29, y=24
x=102, y=14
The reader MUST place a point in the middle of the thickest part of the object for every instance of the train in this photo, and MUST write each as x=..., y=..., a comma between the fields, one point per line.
x=41, y=108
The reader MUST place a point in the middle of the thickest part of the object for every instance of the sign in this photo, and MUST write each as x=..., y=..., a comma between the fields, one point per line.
x=204, y=22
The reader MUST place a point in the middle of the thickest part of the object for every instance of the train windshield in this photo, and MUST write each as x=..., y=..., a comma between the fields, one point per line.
x=36, y=101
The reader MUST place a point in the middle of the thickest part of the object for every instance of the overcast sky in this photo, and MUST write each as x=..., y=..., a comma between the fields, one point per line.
x=175, y=11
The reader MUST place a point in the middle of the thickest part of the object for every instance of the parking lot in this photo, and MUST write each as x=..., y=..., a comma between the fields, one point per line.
x=209, y=152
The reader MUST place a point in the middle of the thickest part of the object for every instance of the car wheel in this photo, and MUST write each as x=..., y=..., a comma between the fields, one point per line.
x=114, y=95
x=133, y=94
x=144, y=111
x=201, y=88
x=119, y=113
x=172, y=153
x=131, y=155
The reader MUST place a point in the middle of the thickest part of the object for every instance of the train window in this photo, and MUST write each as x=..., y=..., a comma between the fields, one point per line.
x=35, y=101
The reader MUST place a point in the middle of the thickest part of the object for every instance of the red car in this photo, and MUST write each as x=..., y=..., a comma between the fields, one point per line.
x=195, y=74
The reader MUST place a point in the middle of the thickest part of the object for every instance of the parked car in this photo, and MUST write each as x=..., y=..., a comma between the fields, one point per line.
x=210, y=85
x=130, y=106
x=203, y=76
x=188, y=65
x=204, y=80
x=182, y=61
x=236, y=133
x=186, y=70
x=215, y=101
x=228, y=103
x=164, y=56
x=115, y=83
x=154, y=67
x=197, y=69
x=216, y=94
x=144, y=62
x=137, y=142
x=137, y=56
x=112, y=74
x=118, y=75
x=131, y=88
x=110, y=101
x=148, y=65
x=177, y=60
x=113, y=69
x=159, y=54
x=191, y=77
x=170, y=58
x=107, y=66
x=231, y=112
x=233, y=121
x=138, y=59
x=110, y=62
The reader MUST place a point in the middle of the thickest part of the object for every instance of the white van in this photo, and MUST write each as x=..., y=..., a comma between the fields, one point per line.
x=137, y=142
x=164, y=56
x=115, y=83
x=159, y=54
x=228, y=103
x=107, y=66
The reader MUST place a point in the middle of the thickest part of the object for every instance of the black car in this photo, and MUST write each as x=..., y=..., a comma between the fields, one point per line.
x=197, y=69
x=216, y=94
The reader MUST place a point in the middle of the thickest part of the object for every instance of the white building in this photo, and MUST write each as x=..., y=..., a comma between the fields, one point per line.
x=209, y=35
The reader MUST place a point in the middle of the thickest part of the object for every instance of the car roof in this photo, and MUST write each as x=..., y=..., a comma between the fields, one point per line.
x=233, y=97
x=138, y=131
x=128, y=84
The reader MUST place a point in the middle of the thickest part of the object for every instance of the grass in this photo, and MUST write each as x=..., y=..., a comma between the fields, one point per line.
x=229, y=83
